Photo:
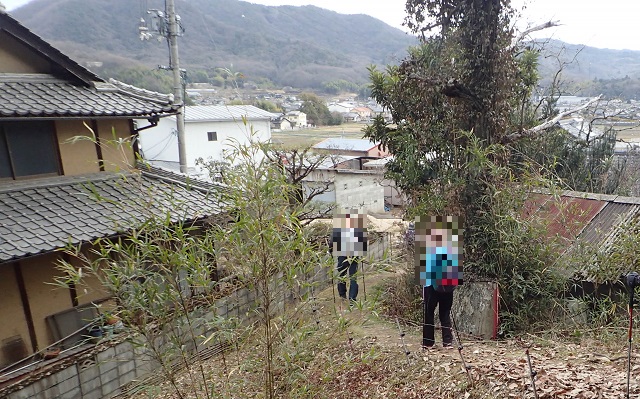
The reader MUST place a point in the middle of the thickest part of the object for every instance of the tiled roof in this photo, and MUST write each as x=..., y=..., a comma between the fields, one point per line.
x=205, y=113
x=41, y=215
x=44, y=96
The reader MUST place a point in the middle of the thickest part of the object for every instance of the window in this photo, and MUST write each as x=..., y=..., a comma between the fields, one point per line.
x=212, y=136
x=27, y=149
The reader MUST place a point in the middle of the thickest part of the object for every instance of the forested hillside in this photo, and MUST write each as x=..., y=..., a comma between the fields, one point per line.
x=303, y=47
x=296, y=46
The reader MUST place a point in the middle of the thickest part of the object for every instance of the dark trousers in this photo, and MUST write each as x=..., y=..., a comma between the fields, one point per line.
x=345, y=265
x=444, y=301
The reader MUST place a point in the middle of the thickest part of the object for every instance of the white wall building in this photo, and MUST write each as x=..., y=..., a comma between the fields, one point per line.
x=209, y=130
x=297, y=118
x=348, y=188
x=340, y=107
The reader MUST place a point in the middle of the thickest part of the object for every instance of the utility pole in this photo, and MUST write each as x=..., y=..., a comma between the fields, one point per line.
x=169, y=26
x=177, y=84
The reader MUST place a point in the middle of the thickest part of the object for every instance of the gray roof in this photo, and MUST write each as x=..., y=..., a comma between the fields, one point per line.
x=337, y=143
x=42, y=215
x=579, y=128
x=378, y=163
x=209, y=113
x=44, y=96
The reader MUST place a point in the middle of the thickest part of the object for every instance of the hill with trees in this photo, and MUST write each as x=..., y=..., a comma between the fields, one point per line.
x=296, y=46
x=590, y=71
x=305, y=47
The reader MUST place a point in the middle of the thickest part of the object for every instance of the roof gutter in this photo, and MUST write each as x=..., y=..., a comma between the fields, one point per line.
x=153, y=122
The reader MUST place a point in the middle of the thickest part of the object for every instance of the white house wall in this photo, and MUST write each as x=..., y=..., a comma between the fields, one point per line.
x=161, y=143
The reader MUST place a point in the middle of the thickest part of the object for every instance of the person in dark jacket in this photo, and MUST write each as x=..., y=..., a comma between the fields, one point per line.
x=438, y=250
x=349, y=244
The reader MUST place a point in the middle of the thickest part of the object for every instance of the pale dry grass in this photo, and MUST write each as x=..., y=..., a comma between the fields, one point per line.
x=311, y=136
x=358, y=353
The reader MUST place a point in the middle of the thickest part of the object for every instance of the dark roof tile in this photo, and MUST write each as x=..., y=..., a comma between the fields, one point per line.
x=42, y=215
x=39, y=95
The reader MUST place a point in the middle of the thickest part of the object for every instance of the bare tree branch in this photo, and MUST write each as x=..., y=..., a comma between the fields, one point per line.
x=536, y=130
x=546, y=25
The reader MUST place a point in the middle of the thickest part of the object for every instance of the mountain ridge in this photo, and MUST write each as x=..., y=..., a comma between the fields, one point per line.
x=300, y=46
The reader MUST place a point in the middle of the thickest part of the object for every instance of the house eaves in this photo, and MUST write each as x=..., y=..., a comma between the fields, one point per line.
x=41, y=96
x=43, y=215
x=65, y=66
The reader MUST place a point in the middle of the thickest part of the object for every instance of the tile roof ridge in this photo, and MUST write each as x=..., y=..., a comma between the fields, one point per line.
x=116, y=85
x=20, y=185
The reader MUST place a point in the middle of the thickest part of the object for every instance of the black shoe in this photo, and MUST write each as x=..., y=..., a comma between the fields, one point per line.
x=447, y=345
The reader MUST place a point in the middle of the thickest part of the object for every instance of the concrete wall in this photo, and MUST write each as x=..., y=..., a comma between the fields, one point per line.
x=108, y=371
x=392, y=194
x=350, y=189
x=359, y=190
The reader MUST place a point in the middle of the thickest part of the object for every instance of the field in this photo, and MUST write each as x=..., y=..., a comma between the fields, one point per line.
x=308, y=137
x=628, y=133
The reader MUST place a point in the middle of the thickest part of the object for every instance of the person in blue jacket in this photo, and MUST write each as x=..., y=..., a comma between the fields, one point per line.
x=438, y=270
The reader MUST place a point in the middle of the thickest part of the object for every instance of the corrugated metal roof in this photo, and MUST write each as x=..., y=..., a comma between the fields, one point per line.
x=534, y=204
x=603, y=226
x=338, y=143
x=42, y=215
x=377, y=163
x=206, y=113
x=335, y=161
x=569, y=216
x=586, y=224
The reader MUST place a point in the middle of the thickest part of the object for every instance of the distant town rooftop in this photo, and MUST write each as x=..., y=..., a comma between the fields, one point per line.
x=207, y=113
x=338, y=143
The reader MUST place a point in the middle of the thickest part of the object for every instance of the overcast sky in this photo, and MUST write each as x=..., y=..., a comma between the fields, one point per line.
x=606, y=24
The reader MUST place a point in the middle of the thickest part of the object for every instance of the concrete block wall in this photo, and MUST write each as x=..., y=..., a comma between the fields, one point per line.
x=104, y=374
x=360, y=190
x=94, y=377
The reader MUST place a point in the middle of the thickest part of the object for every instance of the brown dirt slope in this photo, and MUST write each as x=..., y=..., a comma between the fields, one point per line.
x=357, y=353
